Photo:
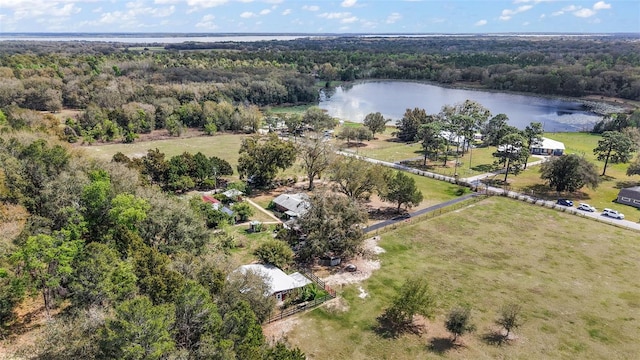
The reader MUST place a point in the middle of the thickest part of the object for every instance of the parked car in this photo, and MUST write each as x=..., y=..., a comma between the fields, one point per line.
x=613, y=214
x=401, y=217
x=564, y=202
x=586, y=207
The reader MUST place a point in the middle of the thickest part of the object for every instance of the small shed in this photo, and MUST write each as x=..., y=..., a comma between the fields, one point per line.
x=255, y=226
x=547, y=147
x=630, y=196
x=330, y=261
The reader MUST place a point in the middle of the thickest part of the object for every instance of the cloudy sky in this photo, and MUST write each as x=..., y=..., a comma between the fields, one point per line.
x=320, y=16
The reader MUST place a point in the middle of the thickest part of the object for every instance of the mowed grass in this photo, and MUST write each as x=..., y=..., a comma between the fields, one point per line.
x=577, y=288
x=603, y=196
x=224, y=146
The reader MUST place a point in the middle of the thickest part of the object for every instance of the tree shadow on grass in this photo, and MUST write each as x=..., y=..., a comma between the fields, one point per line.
x=388, y=330
x=626, y=184
x=485, y=168
x=494, y=338
x=441, y=345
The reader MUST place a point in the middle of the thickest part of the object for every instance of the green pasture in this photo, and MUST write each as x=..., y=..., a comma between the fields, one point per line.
x=224, y=146
x=573, y=277
x=583, y=144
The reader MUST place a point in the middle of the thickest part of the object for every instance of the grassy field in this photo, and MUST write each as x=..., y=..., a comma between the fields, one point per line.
x=225, y=146
x=604, y=196
x=576, y=287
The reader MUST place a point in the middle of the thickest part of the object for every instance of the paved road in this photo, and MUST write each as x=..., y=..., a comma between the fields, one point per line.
x=382, y=224
x=476, y=182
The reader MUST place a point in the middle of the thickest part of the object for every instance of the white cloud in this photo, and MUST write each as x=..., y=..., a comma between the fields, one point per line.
x=526, y=23
x=348, y=3
x=311, y=7
x=508, y=13
x=393, y=17
x=336, y=15
x=286, y=12
x=601, y=5
x=207, y=23
x=482, y=22
x=584, y=13
x=531, y=1
x=247, y=15
x=265, y=11
x=194, y=3
x=349, y=20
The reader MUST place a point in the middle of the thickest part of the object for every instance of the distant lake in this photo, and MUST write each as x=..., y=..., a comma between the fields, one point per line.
x=145, y=38
x=393, y=98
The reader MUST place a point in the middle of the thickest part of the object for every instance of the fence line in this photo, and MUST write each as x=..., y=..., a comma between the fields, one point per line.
x=331, y=294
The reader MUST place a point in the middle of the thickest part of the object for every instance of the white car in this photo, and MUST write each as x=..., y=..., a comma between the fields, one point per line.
x=586, y=207
x=613, y=214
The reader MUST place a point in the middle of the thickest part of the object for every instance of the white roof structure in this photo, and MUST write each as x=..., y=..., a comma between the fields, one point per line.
x=549, y=144
x=232, y=193
x=452, y=137
x=279, y=280
x=295, y=203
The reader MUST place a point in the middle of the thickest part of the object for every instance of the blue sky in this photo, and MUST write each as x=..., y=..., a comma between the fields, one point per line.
x=320, y=16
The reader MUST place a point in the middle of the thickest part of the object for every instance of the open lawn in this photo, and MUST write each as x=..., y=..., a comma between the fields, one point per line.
x=574, y=278
x=224, y=146
x=603, y=196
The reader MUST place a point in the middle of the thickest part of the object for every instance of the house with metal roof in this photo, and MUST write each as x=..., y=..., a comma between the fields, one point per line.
x=293, y=205
x=629, y=196
x=547, y=147
x=280, y=284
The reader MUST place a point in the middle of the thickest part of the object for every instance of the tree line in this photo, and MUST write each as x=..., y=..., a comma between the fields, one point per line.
x=124, y=92
x=137, y=272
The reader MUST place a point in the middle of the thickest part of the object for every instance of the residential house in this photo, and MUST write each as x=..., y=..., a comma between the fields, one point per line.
x=630, y=196
x=280, y=284
x=218, y=205
x=547, y=147
x=293, y=205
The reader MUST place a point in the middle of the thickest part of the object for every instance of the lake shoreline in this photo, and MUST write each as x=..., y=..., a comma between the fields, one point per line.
x=604, y=106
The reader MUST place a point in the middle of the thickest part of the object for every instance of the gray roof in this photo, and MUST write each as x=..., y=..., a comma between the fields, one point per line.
x=297, y=203
x=277, y=279
x=631, y=191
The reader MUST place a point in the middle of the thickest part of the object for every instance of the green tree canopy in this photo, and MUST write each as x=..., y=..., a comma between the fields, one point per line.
x=410, y=123
x=413, y=298
x=511, y=153
x=356, y=178
x=614, y=147
x=333, y=224
x=375, y=122
x=262, y=157
x=316, y=155
x=402, y=190
x=138, y=330
x=275, y=252
x=569, y=172
x=47, y=261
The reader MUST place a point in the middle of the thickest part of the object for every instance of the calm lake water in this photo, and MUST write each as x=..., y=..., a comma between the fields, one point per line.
x=393, y=98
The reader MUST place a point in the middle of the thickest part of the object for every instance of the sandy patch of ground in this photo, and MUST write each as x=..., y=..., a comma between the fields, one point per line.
x=278, y=330
x=366, y=263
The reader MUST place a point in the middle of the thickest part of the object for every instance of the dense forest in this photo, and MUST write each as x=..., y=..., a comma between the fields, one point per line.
x=124, y=91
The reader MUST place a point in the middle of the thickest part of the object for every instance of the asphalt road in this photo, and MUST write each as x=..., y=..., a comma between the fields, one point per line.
x=476, y=182
x=382, y=224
